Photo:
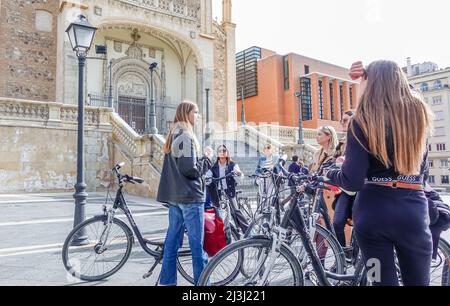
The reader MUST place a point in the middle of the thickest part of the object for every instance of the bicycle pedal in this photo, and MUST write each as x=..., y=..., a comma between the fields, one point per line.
x=147, y=275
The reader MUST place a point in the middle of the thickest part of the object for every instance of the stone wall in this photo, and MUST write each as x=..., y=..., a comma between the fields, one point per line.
x=28, y=49
x=39, y=159
x=38, y=151
x=220, y=77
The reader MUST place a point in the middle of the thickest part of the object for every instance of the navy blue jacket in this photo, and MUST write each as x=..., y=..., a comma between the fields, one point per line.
x=231, y=183
x=360, y=164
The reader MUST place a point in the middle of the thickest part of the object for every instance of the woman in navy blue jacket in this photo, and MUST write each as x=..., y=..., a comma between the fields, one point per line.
x=385, y=161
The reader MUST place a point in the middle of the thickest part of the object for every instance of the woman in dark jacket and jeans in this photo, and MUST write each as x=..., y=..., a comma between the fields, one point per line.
x=182, y=187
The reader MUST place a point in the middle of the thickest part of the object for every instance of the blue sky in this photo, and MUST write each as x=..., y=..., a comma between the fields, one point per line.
x=341, y=31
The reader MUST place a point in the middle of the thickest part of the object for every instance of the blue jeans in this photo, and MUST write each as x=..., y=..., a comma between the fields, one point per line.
x=181, y=216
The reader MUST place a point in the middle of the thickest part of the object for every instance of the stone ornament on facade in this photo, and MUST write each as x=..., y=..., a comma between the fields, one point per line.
x=188, y=9
x=132, y=85
x=118, y=46
x=24, y=110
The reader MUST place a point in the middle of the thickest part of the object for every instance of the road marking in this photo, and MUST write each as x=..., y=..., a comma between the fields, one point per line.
x=44, y=200
x=32, y=247
x=47, y=221
x=46, y=248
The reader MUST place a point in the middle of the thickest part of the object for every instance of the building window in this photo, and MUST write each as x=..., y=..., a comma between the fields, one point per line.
x=306, y=69
x=305, y=87
x=424, y=87
x=437, y=84
x=444, y=163
x=430, y=163
x=341, y=95
x=44, y=21
x=440, y=146
x=444, y=179
x=331, y=103
x=320, y=100
x=286, y=72
x=429, y=147
x=438, y=115
x=437, y=100
x=247, y=72
x=351, y=97
x=431, y=179
x=439, y=131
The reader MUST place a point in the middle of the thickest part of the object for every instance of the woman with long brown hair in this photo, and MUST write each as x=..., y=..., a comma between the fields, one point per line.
x=182, y=187
x=386, y=157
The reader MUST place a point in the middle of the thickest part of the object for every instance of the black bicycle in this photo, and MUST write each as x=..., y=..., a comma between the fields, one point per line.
x=98, y=247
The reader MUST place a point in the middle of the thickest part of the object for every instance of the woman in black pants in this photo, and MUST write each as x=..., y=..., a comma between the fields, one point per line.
x=385, y=160
x=343, y=202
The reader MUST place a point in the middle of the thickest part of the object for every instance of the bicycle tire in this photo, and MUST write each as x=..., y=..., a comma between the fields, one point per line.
x=261, y=243
x=188, y=273
x=71, y=267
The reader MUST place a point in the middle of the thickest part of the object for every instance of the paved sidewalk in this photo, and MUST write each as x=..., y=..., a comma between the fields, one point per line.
x=33, y=228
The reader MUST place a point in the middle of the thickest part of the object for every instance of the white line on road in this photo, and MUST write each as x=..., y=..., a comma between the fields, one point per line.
x=45, y=248
x=46, y=221
x=32, y=247
x=43, y=200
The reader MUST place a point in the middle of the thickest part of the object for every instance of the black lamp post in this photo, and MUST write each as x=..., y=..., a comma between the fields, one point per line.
x=153, y=129
x=207, y=133
x=110, y=89
x=242, y=106
x=300, y=115
x=81, y=33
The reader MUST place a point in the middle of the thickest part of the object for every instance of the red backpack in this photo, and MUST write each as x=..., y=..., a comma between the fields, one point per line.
x=215, y=238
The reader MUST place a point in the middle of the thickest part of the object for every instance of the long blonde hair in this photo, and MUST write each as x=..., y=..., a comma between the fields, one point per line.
x=182, y=121
x=323, y=154
x=334, y=141
x=391, y=114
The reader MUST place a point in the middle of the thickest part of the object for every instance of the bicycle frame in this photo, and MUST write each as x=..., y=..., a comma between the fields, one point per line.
x=120, y=203
x=293, y=214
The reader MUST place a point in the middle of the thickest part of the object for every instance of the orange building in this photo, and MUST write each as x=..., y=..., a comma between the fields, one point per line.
x=273, y=86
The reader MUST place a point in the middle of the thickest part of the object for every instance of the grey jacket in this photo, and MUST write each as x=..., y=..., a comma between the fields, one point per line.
x=182, y=173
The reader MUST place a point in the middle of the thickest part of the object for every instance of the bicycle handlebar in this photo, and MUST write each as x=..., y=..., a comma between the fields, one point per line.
x=125, y=177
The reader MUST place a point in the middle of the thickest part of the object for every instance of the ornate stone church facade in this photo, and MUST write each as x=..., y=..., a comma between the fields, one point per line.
x=194, y=57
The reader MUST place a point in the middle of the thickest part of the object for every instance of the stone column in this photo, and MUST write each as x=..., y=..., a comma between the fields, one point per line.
x=206, y=17
x=326, y=98
x=346, y=95
x=336, y=100
x=315, y=96
x=183, y=83
x=230, y=30
x=355, y=95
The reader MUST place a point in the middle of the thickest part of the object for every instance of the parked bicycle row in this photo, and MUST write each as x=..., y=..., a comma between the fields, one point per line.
x=294, y=235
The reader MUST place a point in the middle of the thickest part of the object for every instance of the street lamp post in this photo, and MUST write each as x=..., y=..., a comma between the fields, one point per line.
x=110, y=89
x=242, y=106
x=300, y=115
x=207, y=134
x=81, y=33
x=153, y=129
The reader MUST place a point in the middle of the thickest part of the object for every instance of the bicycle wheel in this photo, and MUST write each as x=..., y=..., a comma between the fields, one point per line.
x=256, y=226
x=327, y=247
x=184, y=259
x=286, y=270
x=89, y=261
x=440, y=266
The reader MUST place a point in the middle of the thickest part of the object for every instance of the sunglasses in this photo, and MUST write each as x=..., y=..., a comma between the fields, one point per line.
x=223, y=151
